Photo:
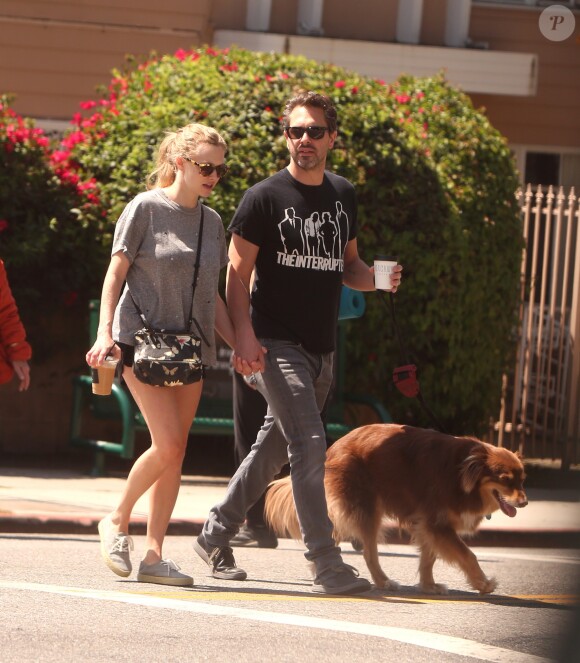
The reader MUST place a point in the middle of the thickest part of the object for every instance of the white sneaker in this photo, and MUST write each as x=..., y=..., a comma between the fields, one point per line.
x=115, y=547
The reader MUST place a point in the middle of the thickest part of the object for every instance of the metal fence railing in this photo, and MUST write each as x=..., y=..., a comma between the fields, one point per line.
x=540, y=408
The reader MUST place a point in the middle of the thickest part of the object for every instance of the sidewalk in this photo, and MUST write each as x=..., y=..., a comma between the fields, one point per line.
x=69, y=502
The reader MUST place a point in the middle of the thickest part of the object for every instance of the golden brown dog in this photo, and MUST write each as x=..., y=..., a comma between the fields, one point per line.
x=436, y=486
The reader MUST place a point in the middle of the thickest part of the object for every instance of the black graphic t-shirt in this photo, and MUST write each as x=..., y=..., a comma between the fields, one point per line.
x=302, y=232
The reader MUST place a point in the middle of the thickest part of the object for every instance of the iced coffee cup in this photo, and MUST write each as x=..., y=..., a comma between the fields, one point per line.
x=383, y=270
x=103, y=376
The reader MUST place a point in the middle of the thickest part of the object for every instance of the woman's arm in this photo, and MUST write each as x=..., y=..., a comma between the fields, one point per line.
x=114, y=279
x=248, y=354
x=223, y=322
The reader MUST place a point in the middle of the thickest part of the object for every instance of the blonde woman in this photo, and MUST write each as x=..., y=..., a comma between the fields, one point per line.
x=154, y=252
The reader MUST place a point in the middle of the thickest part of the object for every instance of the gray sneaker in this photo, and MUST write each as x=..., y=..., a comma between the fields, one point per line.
x=115, y=547
x=260, y=536
x=220, y=560
x=164, y=572
x=340, y=579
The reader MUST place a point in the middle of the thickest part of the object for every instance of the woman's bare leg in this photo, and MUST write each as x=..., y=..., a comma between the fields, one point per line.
x=169, y=413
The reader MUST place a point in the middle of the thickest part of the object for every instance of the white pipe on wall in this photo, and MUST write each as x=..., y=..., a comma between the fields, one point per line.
x=457, y=22
x=258, y=15
x=310, y=17
x=409, y=15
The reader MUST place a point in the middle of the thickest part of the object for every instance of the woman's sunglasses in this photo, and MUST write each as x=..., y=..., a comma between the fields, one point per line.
x=316, y=133
x=206, y=169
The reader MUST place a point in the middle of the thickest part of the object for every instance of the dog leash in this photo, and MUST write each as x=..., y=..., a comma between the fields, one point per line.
x=405, y=376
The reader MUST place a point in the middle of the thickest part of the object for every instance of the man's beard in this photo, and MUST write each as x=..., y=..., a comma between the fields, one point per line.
x=306, y=162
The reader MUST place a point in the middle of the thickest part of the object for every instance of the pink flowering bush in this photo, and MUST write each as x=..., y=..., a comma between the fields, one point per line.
x=45, y=235
x=436, y=186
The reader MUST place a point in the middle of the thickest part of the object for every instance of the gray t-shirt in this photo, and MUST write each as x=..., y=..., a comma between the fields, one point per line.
x=159, y=238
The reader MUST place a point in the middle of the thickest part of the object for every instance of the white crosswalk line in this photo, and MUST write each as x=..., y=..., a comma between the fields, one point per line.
x=424, y=639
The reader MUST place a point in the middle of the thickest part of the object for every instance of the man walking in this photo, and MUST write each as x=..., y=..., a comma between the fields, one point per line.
x=285, y=340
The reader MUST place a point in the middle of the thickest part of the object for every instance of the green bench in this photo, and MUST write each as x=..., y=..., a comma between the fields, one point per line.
x=214, y=414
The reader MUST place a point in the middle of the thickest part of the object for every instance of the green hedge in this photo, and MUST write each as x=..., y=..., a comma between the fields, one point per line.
x=436, y=185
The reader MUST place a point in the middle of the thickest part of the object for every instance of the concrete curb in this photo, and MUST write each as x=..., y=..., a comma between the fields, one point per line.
x=87, y=525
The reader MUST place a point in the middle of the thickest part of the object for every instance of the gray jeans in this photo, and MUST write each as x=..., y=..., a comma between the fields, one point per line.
x=295, y=384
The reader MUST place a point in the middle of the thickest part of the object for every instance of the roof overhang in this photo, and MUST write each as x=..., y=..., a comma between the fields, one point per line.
x=471, y=69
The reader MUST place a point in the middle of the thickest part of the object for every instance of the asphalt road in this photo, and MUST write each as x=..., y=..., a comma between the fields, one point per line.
x=59, y=603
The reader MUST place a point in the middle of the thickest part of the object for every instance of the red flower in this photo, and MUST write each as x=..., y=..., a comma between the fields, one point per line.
x=58, y=156
x=339, y=84
x=403, y=98
x=74, y=138
x=354, y=89
x=89, y=184
x=3, y=225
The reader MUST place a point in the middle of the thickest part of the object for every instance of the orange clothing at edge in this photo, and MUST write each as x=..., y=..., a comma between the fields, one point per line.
x=13, y=345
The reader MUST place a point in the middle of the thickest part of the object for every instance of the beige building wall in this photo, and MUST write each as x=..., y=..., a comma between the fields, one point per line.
x=54, y=53
x=552, y=116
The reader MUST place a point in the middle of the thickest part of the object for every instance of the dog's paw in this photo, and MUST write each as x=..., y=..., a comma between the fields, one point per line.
x=383, y=582
x=435, y=588
x=487, y=586
x=392, y=585
x=388, y=585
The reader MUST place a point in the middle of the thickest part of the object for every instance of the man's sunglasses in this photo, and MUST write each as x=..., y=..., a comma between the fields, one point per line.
x=206, y=169
x=316, y=133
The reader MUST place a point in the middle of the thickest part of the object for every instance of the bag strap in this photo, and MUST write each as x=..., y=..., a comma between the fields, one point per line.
x=196, y=269
x=194, y=284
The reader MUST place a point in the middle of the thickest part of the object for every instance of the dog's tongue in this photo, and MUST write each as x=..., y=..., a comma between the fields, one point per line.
x=508, y=509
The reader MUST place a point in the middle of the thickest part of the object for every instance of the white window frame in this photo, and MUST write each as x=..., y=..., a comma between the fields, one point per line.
x=520, y=151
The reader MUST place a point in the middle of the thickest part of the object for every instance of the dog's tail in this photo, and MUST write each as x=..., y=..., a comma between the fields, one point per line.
x=280, y=511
